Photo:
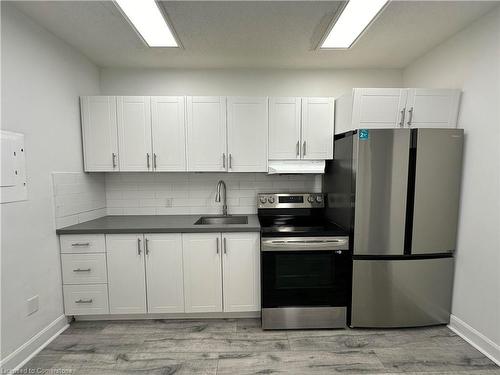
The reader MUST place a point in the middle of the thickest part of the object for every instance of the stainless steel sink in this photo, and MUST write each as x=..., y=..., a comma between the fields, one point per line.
x=218, y=220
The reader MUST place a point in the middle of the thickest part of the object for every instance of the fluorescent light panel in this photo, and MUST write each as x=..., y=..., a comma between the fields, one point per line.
x=355, y=17
x=149, y=22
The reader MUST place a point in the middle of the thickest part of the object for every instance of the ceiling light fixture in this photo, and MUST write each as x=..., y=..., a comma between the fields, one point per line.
x=149, y=22
x=352, y=21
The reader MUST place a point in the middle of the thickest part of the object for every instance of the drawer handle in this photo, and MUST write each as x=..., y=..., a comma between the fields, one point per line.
x=82, y=270
x=84, y=301
x=76, y=244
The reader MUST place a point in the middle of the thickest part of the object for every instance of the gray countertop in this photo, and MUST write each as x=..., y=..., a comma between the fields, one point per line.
x=156, y=224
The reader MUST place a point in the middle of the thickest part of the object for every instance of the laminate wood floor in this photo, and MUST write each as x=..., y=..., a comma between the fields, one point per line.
x=239, y=346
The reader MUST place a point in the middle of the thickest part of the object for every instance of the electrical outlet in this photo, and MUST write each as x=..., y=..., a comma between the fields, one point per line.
x=168, y=202
x=32, y=305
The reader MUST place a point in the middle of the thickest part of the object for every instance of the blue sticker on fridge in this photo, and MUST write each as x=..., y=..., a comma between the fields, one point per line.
x=363, y=134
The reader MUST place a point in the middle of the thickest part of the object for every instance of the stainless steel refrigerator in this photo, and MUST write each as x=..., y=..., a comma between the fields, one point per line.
x=397, y=193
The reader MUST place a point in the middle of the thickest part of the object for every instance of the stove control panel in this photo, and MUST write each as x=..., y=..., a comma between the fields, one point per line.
x=290, y=200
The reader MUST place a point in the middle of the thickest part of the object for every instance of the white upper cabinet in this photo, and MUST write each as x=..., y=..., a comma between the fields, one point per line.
x=317, y=128
x=432, y=108
x=202, y=272
x=169, y=133
x=203, y=133
x=247, y=125
x=378, y=108
x=241, y=270
x=206, y=128
x=163, y=252
x=372, y=108
x=134, y=133
x=126, y=273
x=100, y=145
x=301, y=128
x=284, y=128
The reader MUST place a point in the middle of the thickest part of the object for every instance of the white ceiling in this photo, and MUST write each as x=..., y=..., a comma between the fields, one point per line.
x=255, y=34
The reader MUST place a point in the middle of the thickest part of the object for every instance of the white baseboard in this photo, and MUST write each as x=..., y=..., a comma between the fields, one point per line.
x=475, y=338
x=219, y=315
x=33, y=346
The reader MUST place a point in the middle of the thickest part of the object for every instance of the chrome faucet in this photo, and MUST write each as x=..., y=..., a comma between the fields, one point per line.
x=217, y=196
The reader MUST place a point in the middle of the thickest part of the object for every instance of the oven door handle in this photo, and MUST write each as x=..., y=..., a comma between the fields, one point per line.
x=300, y=244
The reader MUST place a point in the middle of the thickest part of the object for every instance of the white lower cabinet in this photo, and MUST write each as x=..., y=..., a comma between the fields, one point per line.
x=241, y=271
x=165, y=288
x=84, y=276
x=202, y=272
x=86, y=299
x=145, y=265
x=126, y=273
x=217, y=265
x=163, y=273
x=83, y=268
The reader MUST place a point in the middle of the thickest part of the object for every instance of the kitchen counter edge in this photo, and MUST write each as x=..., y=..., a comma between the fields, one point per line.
x=116, y=224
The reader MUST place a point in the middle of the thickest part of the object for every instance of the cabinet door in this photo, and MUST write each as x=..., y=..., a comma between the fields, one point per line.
x=317, y=128
x=284, y=128
x=432, y=108
x=241, y=270
x=169, y=133
x=100, y=134
x=247, y=134
x=126, y=273
x=206, y=146
x=164, y=273
x=134, y=132
x=379, y=108
x=202, y=272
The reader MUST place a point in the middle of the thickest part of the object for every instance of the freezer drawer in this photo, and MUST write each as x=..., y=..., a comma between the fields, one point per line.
x=401, y=293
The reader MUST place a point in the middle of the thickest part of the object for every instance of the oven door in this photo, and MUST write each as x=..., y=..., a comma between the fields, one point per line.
x=309, y=273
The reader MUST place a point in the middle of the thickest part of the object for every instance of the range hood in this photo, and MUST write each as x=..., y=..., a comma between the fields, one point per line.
x=296, y=166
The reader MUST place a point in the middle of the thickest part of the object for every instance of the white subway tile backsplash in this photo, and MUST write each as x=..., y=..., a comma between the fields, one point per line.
x=139, y=211
x=78, y=197
x=194, y=193
x=246, y=202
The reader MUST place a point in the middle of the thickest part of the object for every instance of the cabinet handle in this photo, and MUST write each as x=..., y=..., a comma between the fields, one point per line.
x=146, y=246
x=82, y=270
x=154, y=160
x=225, y=246
x=147, y=159
x=139, y=246
x=230, y=161
x=114, y=159
x=217, y=244
x=304, y=149
x=84, y=301
x=410, y=119
x=80, y=244
x=297, y=149
x=403, y=113
x=223, y=160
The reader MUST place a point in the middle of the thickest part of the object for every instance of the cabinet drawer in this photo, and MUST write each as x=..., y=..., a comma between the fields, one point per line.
x=82, y=243
x=86, y=299
x=84, y=268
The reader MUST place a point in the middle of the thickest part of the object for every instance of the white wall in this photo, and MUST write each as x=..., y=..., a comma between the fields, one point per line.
x=470, y=60
x=42, y=78
x=194, y=193
x=263, y=82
